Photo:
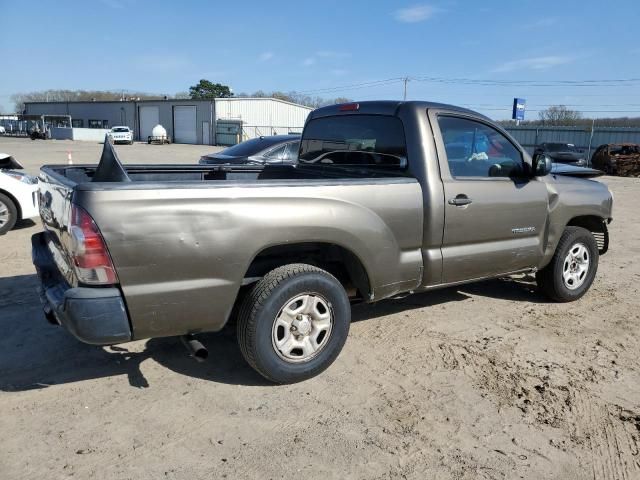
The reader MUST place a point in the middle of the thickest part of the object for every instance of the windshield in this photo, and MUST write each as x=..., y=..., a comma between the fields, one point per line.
x=354, y=140
x=561, y=147
x=120, y=129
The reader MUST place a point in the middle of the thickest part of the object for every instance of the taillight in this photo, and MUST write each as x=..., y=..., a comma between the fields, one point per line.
x=89, y=253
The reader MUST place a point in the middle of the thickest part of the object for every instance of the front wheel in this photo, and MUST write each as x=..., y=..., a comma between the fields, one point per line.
x=294, y=323
x=572, y=268
x=8, y=214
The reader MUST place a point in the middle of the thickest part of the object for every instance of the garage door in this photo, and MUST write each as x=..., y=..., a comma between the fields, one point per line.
x=149, y=118
x=184, y=125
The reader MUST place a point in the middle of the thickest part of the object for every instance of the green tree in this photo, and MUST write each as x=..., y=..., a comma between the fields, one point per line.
x=208, y=90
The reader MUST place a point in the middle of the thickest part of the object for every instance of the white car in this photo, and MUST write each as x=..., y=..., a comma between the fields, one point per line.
x=121, y=134
x=18, y=194
x=2, y=129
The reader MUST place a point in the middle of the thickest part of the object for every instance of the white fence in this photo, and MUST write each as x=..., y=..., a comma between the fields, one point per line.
x=81, y=134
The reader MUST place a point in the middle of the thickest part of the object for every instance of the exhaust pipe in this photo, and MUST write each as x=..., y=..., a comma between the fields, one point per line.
x=49, y=315
x=196, y=349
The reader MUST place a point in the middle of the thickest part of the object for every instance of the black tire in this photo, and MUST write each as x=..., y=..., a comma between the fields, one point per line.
x=550, y=279
x=266, y=301
x=12, y=211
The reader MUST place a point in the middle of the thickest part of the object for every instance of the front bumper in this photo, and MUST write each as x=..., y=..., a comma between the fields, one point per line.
x=121, y=139
x=93, y=315
x=30, y=207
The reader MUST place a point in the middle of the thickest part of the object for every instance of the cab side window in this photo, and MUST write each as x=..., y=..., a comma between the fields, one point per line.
x=477, y=150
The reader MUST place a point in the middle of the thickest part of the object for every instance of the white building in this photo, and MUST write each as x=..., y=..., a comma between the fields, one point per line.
x=209, y=122
x=263, y=116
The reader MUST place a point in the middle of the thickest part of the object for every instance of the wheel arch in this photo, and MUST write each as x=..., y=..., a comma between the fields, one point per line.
x=340, y=261
x=15, y=202
x=598, y=228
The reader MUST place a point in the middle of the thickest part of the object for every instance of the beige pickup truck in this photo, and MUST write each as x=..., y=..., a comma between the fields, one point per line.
x=387, y=198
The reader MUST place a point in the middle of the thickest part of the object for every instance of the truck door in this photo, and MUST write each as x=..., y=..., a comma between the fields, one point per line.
x=494, y=216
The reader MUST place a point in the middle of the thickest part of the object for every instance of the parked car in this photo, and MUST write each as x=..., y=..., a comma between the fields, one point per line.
x=121, y=134
x=2, y=130
x=617, y=159
x=563, y=153
x=274, y=149
x=377, y=206
x=18, y=194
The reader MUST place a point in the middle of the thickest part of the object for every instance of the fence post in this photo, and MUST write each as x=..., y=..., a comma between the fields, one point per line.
x=593, y=121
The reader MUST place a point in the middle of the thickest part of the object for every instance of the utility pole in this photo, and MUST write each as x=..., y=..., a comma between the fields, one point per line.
x=405, y=80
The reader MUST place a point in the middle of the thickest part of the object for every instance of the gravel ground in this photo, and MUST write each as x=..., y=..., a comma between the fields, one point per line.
x=482, y=381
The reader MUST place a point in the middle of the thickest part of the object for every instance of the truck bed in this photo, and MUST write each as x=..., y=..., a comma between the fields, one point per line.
x=191, y=175
x=185, y=238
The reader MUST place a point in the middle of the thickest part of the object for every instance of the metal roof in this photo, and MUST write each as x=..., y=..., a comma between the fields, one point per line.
x=169, y=100
x=390, y=107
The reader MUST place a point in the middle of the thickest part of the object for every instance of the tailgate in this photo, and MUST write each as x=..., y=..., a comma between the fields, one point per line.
x=57, y=188
x=55, y=193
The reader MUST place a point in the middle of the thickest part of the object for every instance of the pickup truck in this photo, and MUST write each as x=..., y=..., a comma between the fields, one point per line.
x=387, y=198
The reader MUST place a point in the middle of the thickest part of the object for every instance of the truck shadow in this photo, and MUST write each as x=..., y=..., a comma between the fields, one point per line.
x=26, y=223
x=34, y=354
x=520, y=288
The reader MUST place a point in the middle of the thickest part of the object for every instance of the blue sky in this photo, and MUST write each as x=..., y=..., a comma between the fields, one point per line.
x=324, y=47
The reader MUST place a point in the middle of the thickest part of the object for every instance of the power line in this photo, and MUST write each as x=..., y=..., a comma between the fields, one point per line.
x=507, y=109
x=590, y=83
x=353, y=86
x=535, y=83
x=563, y=104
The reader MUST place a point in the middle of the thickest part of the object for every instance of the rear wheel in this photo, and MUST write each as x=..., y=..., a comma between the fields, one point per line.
x=294, y=323
x=8, y=214
x=572, y=268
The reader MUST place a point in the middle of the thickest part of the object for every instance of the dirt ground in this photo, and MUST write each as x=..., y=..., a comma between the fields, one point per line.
x=483, y=381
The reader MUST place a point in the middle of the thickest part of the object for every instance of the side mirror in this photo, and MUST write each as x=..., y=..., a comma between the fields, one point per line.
x=542, y=165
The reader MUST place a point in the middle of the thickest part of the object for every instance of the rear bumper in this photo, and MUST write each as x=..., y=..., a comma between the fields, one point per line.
x=93, y=315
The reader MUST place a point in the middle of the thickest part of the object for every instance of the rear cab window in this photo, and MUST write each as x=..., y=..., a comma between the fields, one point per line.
x=355, y=140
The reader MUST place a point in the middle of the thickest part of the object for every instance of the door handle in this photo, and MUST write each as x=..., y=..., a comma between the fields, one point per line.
x=460, y=200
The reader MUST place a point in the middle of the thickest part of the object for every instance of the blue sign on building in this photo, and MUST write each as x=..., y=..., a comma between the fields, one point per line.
x=518, y=108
